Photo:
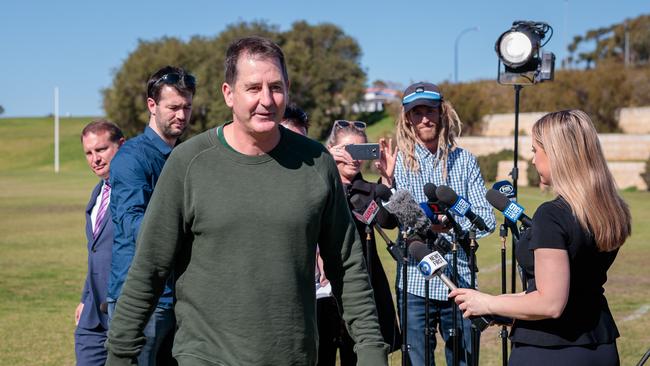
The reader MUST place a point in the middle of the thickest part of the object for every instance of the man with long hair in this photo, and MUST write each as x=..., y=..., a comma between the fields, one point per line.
x=427, y=128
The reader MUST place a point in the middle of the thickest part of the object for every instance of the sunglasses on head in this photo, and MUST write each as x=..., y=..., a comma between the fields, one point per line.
x=344, y=124
x=174, y=78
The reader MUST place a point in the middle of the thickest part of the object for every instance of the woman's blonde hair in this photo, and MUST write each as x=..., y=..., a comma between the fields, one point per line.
x=580, y=175
x=448, y=128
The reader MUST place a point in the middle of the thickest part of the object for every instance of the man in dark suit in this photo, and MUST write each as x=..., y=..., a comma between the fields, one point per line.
x=100, y=139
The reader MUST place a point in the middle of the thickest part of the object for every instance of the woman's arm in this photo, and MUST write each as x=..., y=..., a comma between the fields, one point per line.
x=548, y=301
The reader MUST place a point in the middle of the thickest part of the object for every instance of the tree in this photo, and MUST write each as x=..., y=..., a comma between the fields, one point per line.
x=326, y=76
x=608, y=43
x=323, y=64
x=2, y=110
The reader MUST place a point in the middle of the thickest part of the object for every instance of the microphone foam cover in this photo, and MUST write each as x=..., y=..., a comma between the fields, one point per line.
x=446, y=195
x=430, y=192
x=496, y=199
x=418, y=250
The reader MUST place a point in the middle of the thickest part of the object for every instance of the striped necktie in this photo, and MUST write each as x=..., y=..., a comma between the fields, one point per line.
x=103, y=205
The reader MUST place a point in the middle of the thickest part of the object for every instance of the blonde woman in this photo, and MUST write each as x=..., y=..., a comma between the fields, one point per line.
x=563, y=317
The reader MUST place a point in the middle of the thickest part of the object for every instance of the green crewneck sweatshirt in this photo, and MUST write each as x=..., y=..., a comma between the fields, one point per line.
x=240, y=233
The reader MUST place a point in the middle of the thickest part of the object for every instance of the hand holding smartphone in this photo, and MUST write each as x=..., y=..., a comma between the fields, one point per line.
x=368, y=151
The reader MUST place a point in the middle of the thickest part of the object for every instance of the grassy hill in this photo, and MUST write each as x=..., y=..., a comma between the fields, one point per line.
x=43, y=253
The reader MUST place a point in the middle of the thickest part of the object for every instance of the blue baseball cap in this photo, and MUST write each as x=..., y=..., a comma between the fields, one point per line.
x=421, y=94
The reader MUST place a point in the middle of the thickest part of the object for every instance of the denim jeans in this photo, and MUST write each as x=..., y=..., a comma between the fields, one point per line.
x=159, y=326
x=440, y=318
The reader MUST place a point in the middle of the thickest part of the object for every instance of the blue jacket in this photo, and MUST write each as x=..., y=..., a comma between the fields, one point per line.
x=135, y=169
x=99, y=267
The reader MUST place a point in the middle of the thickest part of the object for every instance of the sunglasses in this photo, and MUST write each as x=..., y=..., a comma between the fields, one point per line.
x=341, y=123
x=174, y=78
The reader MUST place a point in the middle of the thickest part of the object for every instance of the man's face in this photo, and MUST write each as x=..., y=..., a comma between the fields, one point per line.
x=99, y=150
x=259, y=95
x=172, y=112
x=425, y=121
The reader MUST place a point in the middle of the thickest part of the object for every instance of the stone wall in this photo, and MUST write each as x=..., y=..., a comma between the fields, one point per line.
x=634, y=120
x=626, y=153
x=616, y=147
x=504, y=124
x=626, y=174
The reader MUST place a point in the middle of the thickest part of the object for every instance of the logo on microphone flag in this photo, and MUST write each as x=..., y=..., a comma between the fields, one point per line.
x=424, y=268
x=461, y=206
x=513, y=211
x=369, y=214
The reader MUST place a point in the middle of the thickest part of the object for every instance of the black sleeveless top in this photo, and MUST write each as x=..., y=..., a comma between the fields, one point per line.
x=586, y=318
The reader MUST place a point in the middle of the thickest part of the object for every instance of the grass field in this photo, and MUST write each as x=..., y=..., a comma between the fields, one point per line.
x=43, y=253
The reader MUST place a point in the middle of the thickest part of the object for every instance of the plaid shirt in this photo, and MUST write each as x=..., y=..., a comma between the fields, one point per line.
x=464, y=177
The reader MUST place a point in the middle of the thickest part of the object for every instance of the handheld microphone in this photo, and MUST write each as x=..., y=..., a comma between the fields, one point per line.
x=459, y=206
x=511, y=210
x=408, y=213
x=432, y=264
x=505, y=188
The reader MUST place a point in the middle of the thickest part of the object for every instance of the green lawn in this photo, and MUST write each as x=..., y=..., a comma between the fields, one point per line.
x=43, y=253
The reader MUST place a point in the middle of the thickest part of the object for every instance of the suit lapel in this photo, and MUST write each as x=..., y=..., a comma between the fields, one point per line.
x=89, y=210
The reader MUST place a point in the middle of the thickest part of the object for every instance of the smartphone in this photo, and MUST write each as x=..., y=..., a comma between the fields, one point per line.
x=368, y=151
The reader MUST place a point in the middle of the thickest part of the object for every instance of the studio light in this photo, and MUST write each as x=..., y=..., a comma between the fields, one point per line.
x=519, y=49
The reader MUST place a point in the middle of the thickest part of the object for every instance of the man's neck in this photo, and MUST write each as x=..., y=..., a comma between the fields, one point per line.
x=171, y=141
x=249, y=143
x=432, y=146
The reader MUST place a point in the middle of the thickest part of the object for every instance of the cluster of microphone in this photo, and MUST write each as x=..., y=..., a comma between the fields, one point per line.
x=443, y=203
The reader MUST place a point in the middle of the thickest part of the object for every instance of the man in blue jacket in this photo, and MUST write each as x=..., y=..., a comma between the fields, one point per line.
x=100, y=140
x=134, y=174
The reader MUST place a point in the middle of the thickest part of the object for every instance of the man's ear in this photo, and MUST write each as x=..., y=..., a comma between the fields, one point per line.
x=227, y=91
x=151, y=105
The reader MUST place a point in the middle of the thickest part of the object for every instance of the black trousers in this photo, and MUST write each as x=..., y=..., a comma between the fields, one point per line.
x=332, y=335
x=591, y=355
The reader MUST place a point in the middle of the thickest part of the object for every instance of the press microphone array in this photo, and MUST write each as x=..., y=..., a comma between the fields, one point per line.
x=432, y=264
x=460, y=206
x=511, y=210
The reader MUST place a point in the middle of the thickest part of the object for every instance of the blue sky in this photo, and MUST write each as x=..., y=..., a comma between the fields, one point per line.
x=76, y=45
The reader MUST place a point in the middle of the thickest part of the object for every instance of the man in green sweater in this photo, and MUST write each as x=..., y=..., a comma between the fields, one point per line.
x=236, y=214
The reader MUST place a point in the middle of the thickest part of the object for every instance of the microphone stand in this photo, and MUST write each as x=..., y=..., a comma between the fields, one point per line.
x=369, y=251
x=454, y=332
x=404, y=260
x=428, y=332
x=392, y=248
x=473, y=268
x=503, y=234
